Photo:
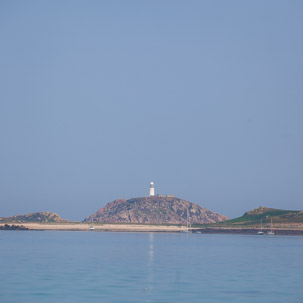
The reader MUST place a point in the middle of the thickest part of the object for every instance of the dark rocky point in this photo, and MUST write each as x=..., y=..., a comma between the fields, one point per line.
x=13, y=227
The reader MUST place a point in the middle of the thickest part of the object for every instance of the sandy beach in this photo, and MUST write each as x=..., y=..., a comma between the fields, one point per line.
x=100, y=227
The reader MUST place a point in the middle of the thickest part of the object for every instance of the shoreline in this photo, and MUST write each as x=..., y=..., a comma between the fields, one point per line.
x=145, y=228
x=250, y=231
x=97, y=227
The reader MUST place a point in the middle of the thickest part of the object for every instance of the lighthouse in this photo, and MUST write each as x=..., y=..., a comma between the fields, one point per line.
x=151, y=189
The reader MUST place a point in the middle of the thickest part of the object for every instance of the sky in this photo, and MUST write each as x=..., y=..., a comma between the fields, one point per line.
x=98, y=98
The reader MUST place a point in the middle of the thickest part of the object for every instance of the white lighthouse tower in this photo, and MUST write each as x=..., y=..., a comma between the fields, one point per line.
x=151, y=189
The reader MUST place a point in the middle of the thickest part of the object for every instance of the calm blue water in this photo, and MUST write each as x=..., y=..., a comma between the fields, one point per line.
x=60, y=266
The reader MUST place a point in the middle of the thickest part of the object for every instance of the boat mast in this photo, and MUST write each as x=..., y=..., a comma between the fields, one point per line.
x=187, y=218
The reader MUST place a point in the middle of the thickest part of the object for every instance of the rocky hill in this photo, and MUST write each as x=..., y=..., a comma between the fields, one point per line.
x=40, y=217
x=154, y=210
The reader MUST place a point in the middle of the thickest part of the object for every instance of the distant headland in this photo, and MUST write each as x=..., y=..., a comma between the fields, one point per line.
x=39, y=217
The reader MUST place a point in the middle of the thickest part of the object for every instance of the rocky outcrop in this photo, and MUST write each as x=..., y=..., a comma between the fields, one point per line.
x=258, y=211
x=40, y=217
x=154, y=210
x=13, y=227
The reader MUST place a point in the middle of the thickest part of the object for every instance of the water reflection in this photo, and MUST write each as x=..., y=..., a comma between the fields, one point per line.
x=150, y=260
x=151, y=249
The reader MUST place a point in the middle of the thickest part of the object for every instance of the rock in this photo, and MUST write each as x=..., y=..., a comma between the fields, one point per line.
x=154, y=210
x=13, y=227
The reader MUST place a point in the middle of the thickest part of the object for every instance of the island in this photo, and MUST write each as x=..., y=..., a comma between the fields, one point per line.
x=163, y=214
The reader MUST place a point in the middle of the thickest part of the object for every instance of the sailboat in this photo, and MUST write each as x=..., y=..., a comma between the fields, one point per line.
x=188, y=226
x=91, y=227
x=260, y=232
x=271, y=232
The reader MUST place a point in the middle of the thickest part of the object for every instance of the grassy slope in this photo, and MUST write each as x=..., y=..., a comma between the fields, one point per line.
x=254, y=217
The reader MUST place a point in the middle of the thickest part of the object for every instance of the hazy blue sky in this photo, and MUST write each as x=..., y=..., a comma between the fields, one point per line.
x=98, y=98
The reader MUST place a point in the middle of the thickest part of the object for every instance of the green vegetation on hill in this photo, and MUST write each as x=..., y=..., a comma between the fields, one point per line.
x=254, y=217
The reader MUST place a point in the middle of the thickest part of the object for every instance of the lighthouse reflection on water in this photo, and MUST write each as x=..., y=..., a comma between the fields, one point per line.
x=150, y=260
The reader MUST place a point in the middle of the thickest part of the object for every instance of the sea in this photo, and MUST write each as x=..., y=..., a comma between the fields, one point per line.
x=114, y=267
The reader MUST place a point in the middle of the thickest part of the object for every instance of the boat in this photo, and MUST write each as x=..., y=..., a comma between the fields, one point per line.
x=91, y=227
x=271, y=232
x=260, y=232
x=188, y=226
